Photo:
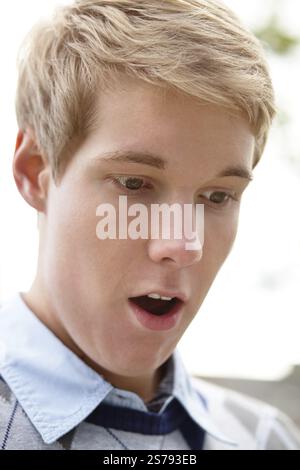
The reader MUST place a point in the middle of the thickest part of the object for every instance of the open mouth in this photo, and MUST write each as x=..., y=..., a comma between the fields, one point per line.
x=156, y=307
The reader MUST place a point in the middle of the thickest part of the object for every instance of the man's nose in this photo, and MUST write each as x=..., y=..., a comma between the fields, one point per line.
x=175, y=251
x=179, y=239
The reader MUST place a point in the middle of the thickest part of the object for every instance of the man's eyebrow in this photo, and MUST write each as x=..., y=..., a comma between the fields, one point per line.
x=238, y=171
x=146, y=158
x=130, y=156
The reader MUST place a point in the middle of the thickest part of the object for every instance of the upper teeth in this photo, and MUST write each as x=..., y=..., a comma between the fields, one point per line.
x=157, y=296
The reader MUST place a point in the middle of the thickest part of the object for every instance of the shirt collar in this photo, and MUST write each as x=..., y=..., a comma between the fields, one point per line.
x=57, y=390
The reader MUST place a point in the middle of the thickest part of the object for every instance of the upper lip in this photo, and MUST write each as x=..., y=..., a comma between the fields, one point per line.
x=165, y=293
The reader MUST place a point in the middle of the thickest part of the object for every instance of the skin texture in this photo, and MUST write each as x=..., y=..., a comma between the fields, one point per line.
x=82, y=284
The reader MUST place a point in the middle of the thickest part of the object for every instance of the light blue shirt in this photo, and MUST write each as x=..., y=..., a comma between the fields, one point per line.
x=58, y=391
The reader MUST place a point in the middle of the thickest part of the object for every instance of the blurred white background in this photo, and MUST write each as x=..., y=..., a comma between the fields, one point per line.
x=249, y=325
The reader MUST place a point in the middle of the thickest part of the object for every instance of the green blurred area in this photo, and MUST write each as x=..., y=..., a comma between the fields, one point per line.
x=281, y=42
x=274, y=32
x=278, y=40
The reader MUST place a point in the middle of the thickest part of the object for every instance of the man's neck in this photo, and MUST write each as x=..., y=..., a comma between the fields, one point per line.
x=144, y=386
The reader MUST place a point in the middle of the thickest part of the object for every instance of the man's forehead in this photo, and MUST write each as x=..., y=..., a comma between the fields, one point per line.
x=146, y=109
x=138, y=128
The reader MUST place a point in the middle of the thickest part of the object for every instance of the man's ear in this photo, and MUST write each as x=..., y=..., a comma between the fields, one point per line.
x=31, y=171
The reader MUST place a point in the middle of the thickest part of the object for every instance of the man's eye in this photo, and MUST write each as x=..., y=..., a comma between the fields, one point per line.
x=219, y=198
x=131, y=183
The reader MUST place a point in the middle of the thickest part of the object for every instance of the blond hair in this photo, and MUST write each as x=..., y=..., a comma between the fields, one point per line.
x=197, y=47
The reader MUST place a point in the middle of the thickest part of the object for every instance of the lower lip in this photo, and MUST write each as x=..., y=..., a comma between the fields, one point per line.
x=157, y=323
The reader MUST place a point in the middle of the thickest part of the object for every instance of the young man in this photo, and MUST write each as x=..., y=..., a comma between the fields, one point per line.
x=164, y=103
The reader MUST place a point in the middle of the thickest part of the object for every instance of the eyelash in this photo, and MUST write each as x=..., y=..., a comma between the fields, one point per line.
x=230, y=197
x=116, y=180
